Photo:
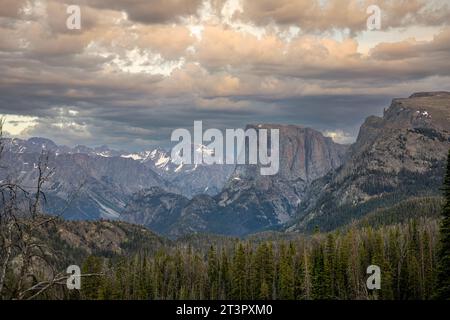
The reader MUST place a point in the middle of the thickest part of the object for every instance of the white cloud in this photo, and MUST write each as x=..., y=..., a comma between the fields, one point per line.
x=340, y=136
x=16, y=125
x=135, y=60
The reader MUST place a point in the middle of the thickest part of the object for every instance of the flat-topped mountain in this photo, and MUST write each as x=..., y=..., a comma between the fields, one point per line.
x=399, y=155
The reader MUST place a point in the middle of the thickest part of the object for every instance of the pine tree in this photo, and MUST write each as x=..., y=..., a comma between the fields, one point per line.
x=428, y=266
x=264, y=293
x=320, y=275
x=263, y=270
x=224, y=276
x=413, y=290
x=330, y=267
x=287, y=280
x=213, y=273
x=379, y=259
x=91, y=285
x=238, y=274
x=443, y=267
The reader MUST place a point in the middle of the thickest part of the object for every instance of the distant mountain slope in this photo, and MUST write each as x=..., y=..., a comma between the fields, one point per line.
x=92, y=183
x=82, y=186
x=186, y=179
x=395, y=157
x=250, y=202
x=155, y=208
x=73, y=241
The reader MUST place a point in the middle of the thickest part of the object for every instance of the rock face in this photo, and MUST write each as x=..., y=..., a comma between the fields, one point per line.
x=249, y=202
x=397, y=156
x=305, y=155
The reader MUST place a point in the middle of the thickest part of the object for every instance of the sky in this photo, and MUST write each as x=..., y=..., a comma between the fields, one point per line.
x=136, y=69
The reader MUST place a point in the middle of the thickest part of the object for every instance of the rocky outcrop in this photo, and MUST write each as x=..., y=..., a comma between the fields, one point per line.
x=305, y=155
x=399, y=155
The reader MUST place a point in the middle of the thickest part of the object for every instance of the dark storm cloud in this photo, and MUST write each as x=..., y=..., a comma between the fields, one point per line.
x=154, y=11
x=343, y=111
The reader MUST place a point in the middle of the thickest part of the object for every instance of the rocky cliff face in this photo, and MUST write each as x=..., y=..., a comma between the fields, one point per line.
x=250, y=201
x=305, y=155
x=400, y=155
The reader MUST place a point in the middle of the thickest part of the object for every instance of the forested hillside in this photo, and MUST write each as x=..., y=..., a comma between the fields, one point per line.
x=321, y=266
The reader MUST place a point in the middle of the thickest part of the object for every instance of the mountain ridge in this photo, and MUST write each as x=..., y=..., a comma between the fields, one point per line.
x=250, y=201
x=320, y=183
x=398, y=155
x=92, y=183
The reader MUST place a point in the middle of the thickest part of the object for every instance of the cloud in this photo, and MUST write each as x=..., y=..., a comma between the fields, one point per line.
x=11, y=8
x=149, y=12
x=319, y=15
x=16, y=125
x=131, y=75
x=340, y=136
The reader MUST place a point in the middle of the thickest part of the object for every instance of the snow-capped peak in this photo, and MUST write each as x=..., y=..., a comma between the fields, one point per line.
x=162, y=161
x=133, y=156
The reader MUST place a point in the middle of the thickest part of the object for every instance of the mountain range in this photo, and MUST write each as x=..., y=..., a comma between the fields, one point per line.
x=396, y=157
x=249, y=201
x=93, y=183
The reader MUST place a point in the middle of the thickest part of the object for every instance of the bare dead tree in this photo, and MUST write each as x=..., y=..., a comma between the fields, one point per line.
x=25, y=256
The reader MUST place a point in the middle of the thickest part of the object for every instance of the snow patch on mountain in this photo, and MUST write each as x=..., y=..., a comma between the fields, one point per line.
x=162, y=161
x=133, y=156
x=107, y=212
